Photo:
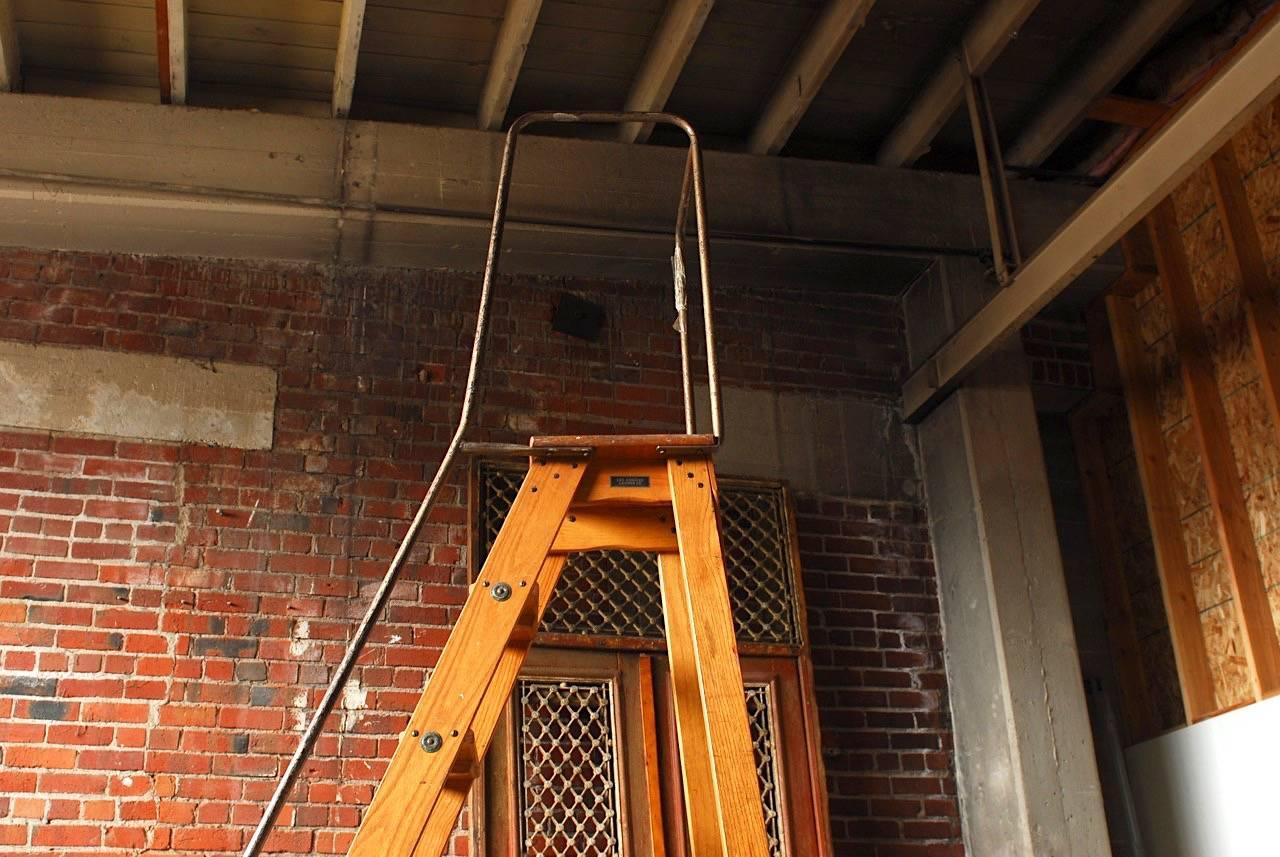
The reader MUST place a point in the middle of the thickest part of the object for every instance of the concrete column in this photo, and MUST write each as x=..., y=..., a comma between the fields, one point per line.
x=1025, y=761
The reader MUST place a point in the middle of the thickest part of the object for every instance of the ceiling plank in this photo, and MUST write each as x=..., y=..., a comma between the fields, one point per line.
x=10, y=59
x=808, y=70
x=344, y=70
x=504, y=66
x=1250, y=81
x=997, y=24
x=1136, y=35
x=668, y=51
x=171, y=50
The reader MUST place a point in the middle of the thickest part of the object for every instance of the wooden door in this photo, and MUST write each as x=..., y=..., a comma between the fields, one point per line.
x=546, y=800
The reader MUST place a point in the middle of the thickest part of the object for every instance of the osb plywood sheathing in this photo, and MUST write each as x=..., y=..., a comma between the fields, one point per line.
x=1261, y=646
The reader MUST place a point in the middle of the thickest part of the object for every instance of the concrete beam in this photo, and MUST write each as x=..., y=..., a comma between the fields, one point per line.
x=995, y=26
x=664, y=60
x=806, y=73
x=1209, y=120
x=97, y=175
x=1127, y=43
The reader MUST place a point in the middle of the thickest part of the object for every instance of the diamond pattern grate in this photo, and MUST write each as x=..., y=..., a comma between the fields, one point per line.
x=616, y=593
x=568, y=774
x=760, y=717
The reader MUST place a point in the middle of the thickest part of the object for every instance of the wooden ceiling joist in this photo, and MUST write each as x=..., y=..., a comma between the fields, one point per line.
x=668, y=52
x=808, y=70
x=1250, y=81
x=997, y=23
x=171, y=50
x=1136, y=35
x=504, y=66
x=10, y=61
x=344, y=70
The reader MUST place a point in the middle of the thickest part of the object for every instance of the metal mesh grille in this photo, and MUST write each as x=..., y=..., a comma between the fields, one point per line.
x=760, y=716
x=754, y=538
x=616, y=593
x=568, y=771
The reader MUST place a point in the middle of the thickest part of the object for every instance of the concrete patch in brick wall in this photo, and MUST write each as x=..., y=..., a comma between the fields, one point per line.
x=836, y=445
x=136, y=395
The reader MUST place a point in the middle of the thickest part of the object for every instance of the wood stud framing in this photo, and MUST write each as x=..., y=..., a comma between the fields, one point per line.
x=1261, y=312
x=668, y=51
x=1189, y=651
x=806, y=73
x=1222, y=477
x=504, y=65
x=995, y=26
x=344, y=70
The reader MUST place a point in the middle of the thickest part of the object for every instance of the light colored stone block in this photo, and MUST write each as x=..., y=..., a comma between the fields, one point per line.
x=136, y=395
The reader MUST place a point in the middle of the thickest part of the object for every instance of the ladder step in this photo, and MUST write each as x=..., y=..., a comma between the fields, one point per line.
x=465, y=768
x=527, y=622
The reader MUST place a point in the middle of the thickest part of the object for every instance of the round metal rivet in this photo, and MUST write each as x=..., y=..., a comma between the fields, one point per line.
x=501, y=591
x=432, y=742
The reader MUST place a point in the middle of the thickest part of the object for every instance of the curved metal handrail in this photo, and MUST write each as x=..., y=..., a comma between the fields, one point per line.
x=692, y=181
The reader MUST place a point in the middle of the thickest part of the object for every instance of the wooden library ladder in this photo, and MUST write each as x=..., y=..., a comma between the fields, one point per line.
x=652, y=493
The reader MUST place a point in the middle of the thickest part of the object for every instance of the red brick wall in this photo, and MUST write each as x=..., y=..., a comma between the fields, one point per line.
x=1058, y=353
x=168, y=611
